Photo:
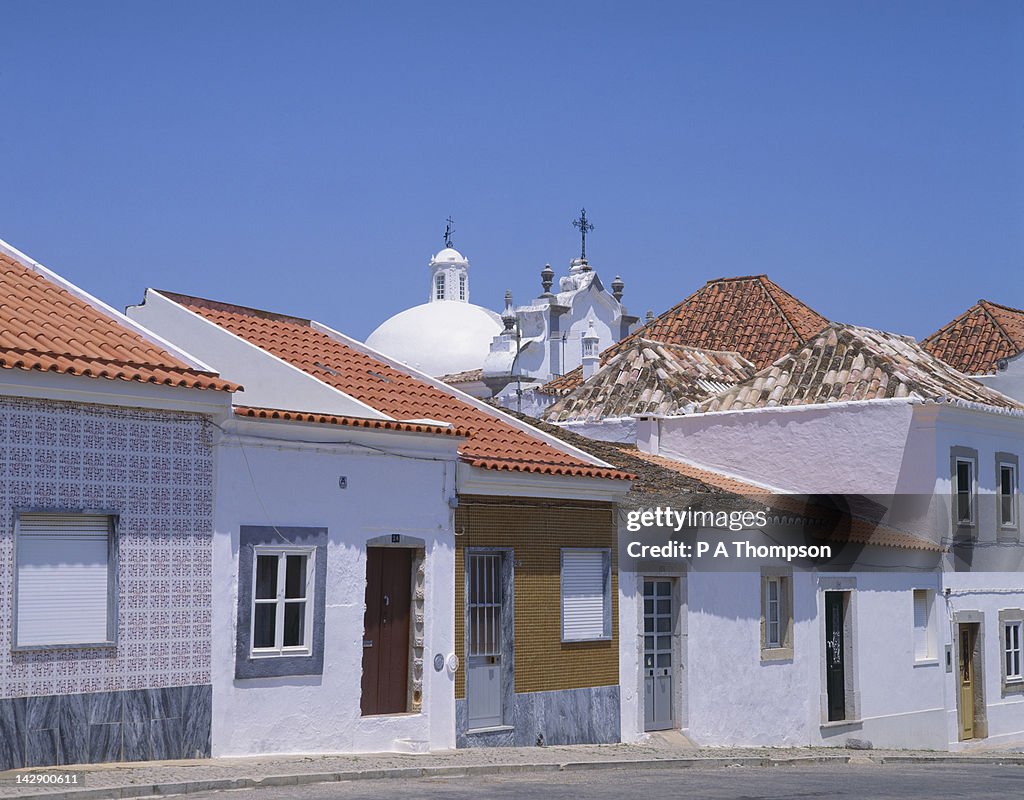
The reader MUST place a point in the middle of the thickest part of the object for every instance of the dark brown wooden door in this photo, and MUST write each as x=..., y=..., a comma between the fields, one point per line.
x=386, y=630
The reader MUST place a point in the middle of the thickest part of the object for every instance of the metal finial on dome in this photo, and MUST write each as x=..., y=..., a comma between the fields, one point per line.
x=617, y=287
x=649, y=318
x=449, y=229
x=508, y=316
x=547, y=277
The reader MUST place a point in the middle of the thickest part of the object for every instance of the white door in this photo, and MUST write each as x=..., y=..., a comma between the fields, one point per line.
x=659, y=615
x=483, y=651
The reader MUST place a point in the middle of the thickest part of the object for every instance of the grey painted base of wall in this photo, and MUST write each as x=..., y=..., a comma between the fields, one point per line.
x=138, y=725
x=572, y=716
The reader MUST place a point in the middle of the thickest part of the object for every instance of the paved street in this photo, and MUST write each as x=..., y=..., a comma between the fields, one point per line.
x=862, y=782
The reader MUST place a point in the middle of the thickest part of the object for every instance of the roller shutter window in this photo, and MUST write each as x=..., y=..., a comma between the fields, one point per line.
x=586, y=594
x=65, y=580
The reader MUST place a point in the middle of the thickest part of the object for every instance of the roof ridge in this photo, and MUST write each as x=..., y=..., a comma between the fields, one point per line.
x=220, y=305
x=767, y=282
x=1001, y=305
x=992, y=318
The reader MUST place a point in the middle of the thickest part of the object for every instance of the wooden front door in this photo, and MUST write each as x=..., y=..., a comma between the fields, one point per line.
x=386, y=630
x=967, y=681
x=835, y=656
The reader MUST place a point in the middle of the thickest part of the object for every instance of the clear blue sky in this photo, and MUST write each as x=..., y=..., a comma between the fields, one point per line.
x=868, y=156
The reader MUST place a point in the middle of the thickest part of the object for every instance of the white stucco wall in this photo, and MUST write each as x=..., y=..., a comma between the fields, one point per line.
x=733, y=698
x=612, y=429
x=1009, y=381
x=267, y=381
x=293, y=484
x=987, y=593
x=836, y=448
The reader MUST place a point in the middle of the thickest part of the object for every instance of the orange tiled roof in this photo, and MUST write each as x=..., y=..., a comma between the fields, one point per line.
x=976, y=340
x=355, y=422
x=849, y=363
x=44, y=327
x=750, y=315
x=492, y=443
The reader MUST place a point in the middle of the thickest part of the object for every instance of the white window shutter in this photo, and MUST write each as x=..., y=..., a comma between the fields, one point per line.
x=584, y=598
x=63, y=579
x=922, y=626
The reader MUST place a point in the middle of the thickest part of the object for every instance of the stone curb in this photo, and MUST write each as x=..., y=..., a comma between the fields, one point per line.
x=306, y=778
x=1009, y=758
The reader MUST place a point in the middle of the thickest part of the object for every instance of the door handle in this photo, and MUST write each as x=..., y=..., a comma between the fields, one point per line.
x=367, y=642
x=387, y=600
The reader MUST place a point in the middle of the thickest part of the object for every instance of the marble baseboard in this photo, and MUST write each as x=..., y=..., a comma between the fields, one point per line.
x=571, y=716
x=139, y=725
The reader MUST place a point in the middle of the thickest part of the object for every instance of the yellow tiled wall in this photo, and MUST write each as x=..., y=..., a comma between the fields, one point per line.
x=536, y=530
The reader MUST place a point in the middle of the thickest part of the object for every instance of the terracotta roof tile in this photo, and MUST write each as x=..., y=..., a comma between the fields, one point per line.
x=975, y=341
x=492, y=443
x=44, y=327
x=846, y=363
x=648, y=377
x=750, y=315
x=355, y=422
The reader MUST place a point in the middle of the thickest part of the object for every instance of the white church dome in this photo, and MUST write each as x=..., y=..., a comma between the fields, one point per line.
x=449, y=256
x=438, y=338
x=447, y=334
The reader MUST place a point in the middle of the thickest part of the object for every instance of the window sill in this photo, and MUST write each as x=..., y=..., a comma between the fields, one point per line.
x=492, y=729
x=927, y=662
x=841, y=723
x=28, y=648
x=775, y=654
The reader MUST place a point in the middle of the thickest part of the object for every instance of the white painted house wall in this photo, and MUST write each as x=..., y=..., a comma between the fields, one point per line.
x=880, y=447
x=273, y=481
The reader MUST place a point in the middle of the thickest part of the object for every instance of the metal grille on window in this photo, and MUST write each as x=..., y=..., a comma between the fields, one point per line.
x=485, y=604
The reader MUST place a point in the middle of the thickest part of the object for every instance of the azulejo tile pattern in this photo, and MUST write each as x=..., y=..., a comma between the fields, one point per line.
x=154, y=469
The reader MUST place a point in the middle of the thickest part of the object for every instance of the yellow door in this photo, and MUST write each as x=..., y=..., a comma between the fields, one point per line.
x=966, y=682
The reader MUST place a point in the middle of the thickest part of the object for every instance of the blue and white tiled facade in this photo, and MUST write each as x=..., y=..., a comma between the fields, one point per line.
x=154, y=470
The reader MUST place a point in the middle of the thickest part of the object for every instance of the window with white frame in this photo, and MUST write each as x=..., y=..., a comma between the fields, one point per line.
x=1012, y=667
x=282, y=603
x=963, y=490
x=776, y=613
x=586, y=594
x=66, y=580
x=924, y=631
x=773, y=612
x=1007, y=495
x=462, y=287
x=438, y=286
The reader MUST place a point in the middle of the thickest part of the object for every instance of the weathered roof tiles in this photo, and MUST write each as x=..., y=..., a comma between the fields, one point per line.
x=649, y=377
x=850, y=363
x=749, y=315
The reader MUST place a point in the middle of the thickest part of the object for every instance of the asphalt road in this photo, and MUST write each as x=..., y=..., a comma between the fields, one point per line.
x=858, y=782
